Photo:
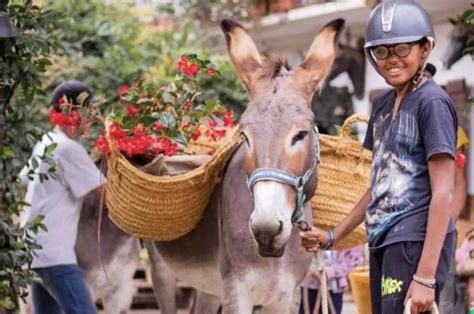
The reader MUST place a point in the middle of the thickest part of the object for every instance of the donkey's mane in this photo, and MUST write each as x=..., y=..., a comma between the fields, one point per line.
x=275, y=66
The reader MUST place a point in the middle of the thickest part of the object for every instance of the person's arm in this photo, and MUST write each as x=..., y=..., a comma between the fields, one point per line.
x=459, y=196
x=441, y=171
x=313, y=238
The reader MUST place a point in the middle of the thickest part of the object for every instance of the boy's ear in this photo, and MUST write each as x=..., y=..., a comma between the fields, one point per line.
x=425, y=50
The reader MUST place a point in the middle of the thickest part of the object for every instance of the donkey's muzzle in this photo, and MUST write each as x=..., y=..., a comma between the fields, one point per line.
x=266, y=236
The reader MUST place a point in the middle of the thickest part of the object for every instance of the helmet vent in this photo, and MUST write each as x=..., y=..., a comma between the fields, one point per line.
x=388, y=10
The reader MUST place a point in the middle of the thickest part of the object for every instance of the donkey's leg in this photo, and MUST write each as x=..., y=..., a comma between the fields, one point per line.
x=205, y=303
x=284, y=305
x=236, y=298
x=164, y=282
x=120, y=298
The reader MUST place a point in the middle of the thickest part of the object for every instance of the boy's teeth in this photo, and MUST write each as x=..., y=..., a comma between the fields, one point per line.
x=394, y=70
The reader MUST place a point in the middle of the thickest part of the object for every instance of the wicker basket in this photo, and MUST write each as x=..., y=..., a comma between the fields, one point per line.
x=162, y=208
x=343, y=177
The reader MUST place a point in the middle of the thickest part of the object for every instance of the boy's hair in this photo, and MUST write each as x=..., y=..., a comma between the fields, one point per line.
x=388, y=25
x=71, y=89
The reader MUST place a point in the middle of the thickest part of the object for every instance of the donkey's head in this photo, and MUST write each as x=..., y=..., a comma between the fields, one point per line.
x=280, y=157
x=458, y=39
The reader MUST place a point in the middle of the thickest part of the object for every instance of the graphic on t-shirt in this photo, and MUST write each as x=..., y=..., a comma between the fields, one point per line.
x=393, y=171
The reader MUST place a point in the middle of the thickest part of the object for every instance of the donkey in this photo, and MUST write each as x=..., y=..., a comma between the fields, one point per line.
x=352, y=61
x=459, y=37
x=119, y=253
x=246, y=250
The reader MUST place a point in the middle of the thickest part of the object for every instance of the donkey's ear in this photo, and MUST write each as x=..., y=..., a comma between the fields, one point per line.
x=320, y=57
x=452, y=21
x=242, y=51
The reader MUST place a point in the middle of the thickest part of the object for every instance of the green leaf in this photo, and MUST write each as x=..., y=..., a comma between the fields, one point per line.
x=34, y=162
x=8, y=152
x=50, y=148
x=180, y=139
x=168, y=119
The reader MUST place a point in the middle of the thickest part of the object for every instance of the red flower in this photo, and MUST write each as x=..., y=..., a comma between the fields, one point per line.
x=182, y=63
x=171, y=150
x=139, y=130
x=64, y=120
x=229, y=120
x=196, y=135
x=187, y=126
x=460, y=160
x=193, y=69
x=61, y=102
x=132, y=111
x=123, y=90
x=102, y=144
x=158, y=126
x=116, y=131
x=210, y=72
x=212, y=123
x=187, y=107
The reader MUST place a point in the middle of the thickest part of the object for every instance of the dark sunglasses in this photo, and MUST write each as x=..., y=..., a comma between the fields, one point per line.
x=400, y=50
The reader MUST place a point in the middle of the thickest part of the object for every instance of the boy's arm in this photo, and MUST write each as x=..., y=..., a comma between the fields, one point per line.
x=441, y=170
x=313, y=238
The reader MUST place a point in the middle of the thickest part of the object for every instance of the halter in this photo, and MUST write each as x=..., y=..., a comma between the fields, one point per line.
x=297, y=182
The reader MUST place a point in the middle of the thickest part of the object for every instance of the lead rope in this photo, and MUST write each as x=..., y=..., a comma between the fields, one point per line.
x=322, y=280
x=99, y=223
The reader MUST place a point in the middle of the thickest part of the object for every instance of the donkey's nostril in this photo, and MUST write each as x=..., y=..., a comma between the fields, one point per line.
x=280, y=229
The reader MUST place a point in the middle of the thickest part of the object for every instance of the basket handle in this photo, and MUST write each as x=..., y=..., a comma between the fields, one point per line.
x=113, y=147
x=434, y=310
x=346, y=127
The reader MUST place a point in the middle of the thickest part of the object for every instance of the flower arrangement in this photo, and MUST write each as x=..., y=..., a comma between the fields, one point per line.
x=153, y=120
x=70, y=114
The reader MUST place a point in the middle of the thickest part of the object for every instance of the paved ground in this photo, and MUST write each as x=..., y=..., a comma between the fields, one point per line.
x=349, y=308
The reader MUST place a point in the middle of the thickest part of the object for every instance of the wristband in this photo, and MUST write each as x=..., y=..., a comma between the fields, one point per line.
x=430, y=283
x=330, y=240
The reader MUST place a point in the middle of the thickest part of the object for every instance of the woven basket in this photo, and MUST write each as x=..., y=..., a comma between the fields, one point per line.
x=162, y=208
x=343, y=177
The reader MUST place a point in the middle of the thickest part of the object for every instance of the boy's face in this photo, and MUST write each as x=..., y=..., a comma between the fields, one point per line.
x=397, y=70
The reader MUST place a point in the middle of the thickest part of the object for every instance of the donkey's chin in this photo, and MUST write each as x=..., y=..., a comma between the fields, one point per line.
x=271, y=252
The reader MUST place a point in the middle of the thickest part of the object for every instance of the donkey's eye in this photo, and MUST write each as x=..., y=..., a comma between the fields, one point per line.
x=298, y=137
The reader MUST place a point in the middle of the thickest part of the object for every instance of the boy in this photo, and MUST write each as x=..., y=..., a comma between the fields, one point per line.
x=412, y=133
x=63, y=288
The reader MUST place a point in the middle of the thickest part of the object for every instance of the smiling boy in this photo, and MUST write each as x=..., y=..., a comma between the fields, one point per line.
x=412, y=134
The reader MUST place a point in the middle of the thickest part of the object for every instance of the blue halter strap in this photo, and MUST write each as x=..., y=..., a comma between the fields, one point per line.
x=297, y=182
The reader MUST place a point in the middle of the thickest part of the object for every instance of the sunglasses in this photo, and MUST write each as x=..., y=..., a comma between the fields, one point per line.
x=400, y=50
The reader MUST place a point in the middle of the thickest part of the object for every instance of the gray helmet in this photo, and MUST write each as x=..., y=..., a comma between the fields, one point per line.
x=394, y=22
x=397, y=21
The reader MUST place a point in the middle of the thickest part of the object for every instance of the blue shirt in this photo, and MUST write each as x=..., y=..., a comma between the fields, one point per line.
x=425, y=125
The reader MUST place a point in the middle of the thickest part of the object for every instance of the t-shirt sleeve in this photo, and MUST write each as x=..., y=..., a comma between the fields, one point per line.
x=80, y=173
x=369, y=135
x=438, y=127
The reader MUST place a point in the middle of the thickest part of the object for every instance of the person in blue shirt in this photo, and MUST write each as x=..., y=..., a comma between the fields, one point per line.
x=412, y=134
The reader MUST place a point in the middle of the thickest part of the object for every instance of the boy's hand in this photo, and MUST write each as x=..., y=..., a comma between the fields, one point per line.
x=311, y=240
x=422, y=298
